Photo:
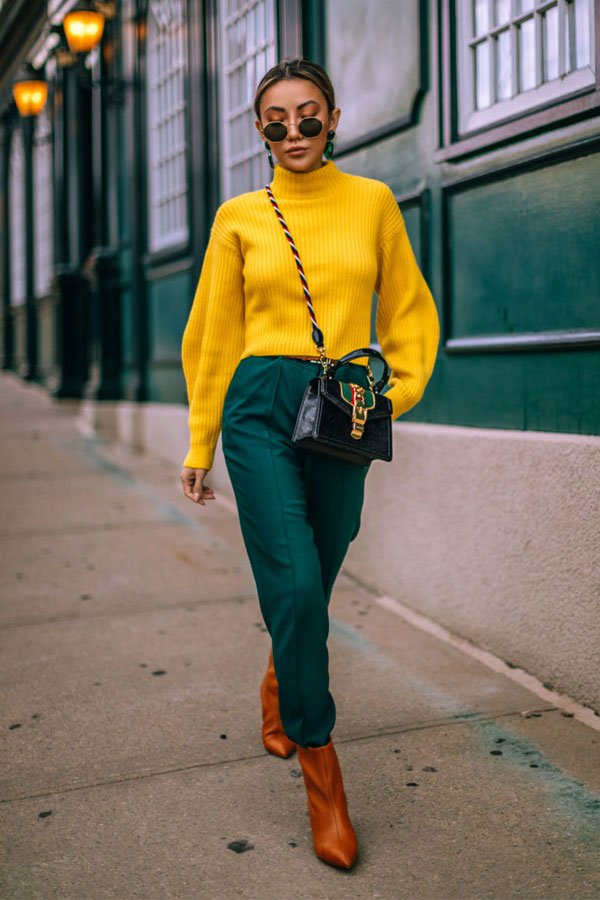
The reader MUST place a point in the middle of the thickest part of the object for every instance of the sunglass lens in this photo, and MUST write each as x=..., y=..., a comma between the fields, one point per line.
x=310, y=127
x=275, y=131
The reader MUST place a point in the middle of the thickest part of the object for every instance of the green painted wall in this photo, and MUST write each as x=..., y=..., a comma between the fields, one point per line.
x=169, y=303
x=525, y=251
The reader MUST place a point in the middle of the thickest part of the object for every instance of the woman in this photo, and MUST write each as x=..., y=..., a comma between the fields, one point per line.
x=247, y=354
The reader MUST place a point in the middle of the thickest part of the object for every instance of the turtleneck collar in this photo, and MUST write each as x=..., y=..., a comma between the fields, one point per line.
x=305, y=185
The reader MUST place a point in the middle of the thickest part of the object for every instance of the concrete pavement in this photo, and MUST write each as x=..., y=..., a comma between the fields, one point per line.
x=132, y=650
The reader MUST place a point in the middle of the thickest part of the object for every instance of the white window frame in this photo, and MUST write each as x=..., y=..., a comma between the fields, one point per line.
x=167, y=67
x=43, y=205
x=244, y=169
x=565, y=85
x=16, y=200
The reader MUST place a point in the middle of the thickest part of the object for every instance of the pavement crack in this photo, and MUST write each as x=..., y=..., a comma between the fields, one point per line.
x=88, y=529
x=124, y=613
x=173, y=770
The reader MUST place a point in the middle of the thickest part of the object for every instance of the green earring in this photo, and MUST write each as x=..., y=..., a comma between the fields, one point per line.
x=328, y=152
x=269, y=154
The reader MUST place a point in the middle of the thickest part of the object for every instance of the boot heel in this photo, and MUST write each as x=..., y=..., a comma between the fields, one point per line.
x=274, y=737
x=334, y=838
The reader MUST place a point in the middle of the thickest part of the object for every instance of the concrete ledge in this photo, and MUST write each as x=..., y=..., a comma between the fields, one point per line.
x=496, y=535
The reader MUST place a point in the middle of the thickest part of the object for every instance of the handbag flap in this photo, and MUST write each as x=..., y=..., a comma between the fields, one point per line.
x=348, y=394
x=336, y=392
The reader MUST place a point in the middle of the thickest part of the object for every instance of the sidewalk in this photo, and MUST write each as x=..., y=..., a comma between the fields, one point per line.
x=132, y=650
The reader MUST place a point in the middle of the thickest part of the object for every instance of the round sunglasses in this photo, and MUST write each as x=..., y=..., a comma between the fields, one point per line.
x=310, y=127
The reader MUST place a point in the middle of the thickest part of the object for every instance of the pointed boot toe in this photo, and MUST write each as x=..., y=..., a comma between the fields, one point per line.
x=274, y=737
x=334, y=838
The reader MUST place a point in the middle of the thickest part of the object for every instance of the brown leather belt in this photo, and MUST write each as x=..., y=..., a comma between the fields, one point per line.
x=289, y=356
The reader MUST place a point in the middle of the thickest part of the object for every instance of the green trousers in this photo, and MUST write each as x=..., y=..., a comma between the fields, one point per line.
x=298, y=512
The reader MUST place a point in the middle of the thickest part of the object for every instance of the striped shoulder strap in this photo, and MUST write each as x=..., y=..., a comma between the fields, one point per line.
x=317, y=334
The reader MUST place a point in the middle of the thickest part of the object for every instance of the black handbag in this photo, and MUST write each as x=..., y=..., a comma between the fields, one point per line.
x=341, y=418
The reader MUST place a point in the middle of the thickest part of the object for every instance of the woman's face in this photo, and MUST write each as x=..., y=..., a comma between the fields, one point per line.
x=289, y=101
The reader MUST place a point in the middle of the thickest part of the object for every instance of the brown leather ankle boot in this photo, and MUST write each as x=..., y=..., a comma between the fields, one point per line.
x=274, y=737
x=334, y=838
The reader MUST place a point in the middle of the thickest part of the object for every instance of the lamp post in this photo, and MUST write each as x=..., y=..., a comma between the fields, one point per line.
x=7, y=330
x=73, y=143
x=30, y=92
x=88, y=276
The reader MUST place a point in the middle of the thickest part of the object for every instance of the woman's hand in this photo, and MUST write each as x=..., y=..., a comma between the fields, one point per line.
x=193, y=487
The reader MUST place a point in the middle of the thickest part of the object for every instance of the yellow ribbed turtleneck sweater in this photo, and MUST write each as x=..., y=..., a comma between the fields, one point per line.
x=352, y=241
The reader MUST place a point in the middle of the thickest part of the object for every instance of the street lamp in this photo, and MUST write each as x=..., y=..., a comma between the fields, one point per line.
x=83, y=28
x=30, y=91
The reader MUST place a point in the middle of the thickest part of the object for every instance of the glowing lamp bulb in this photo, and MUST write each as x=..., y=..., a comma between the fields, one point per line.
x=83, y=30
x=30, y=96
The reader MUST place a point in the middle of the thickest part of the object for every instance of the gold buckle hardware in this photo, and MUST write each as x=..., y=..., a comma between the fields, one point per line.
x=359, y=413
x=326, y=361
x=360, y=410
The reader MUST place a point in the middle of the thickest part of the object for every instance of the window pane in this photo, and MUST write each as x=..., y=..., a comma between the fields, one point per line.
x=42, y=197
x=250, y=31
x=16, y=193
x=527, y=55
x=503, y=66
x=550, y=48
x=482, y=75
x=582, y=32
x=569, y=37
x=231, y=41
x=524, y=53
x=261, y=25
x=270, y=27
x=482, y=19
x=166, y=103
x=501, y=11
x=242, y=65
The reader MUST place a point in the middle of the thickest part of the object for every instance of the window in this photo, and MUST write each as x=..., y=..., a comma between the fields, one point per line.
x=247, y=51
x=515, y=55
x=167, y=145
x=16, y=191
x=42, y=198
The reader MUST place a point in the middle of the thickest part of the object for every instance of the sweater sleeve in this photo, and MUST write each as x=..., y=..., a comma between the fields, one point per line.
x=407, y=323
x=213, y=341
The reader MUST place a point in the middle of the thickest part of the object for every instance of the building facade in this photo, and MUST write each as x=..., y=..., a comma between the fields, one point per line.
x=482, y=116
